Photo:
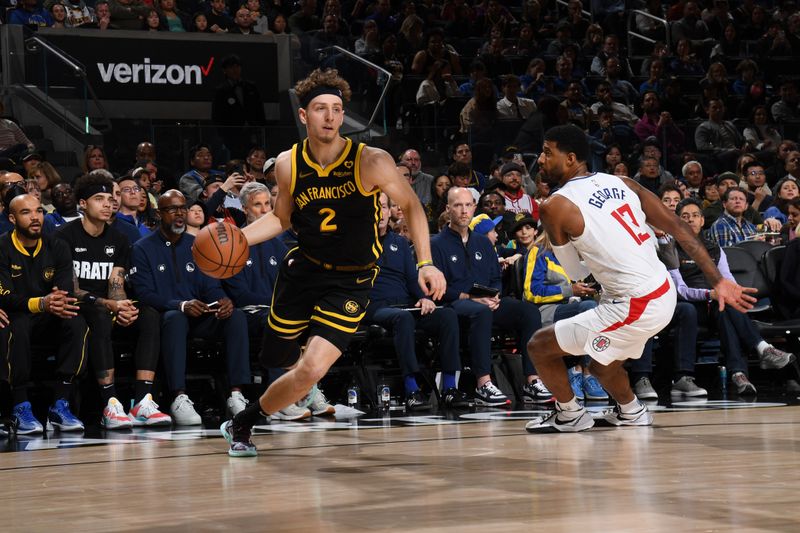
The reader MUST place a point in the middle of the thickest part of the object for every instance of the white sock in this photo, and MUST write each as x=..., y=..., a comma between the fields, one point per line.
x=631, y=407
x=571, y=405
x=761, y=346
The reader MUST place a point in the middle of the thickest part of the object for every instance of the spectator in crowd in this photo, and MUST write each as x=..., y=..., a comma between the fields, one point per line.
x=237, y=109
x=255, y=163
x=725, y=181
x=718, y=137
x=221, y=199
x=621, y=90
x=438, y=85
x=102, y=17
x=174, y=19
x=152, y=22
x=648, y=175
x=130, y=231
x=655, y=80
x=200, y=159
x=59, y=14
x=420, y=181
x=435, y=50
x=621, y=112
x=199, y=23
x=195, y=218
x=731, y=227
x=512, y=106
x=497, y=64
x=395, y=291
x=29, y=13
x=691, y=27
x=128, y=14
x=94, y=158
x=217, y=17
x=578, y=113
x=761, y=135
x=36, y=306
x=477, y=71
x=659, y=124
x=479, y=114
x=736, y=329
x=609, y=133
x=759, y=196
x=13, y=141
x=438, y=203
x=533, y=80
x=462, y=153
x=46, y=177
x=692, y=173
x=30, y=159
x=101, y=257
x=516, y=200
x=165, y=278
x=562, y=41
x=593, y=42
x=685, y=62
x=788, y=107
x=130, y=192
x=369, y=43
x=610, y=49
x=260, y=19
x=478, y=266
x=243, y=22
x=564, y=75
x=746, y=71
x=786, y=190
x=545, y=284
x=493, y=204
x=460, y=176
x=66, y=207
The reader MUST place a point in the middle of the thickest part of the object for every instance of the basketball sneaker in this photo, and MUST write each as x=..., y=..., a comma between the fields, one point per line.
x=641, y=417
x=561, y=421
x=146, y=413
x=592, y=388
x=319, y=404
x=455, y=398
x=772, y=357
x=183, y=413
x=239, y=439
x=292, y=412
x=536, y=392
x=490, y=395
x=576, y=382
x=236, y=403
x=416, y=401
x=687, y=387
x=60, y=417
x=114, y=416
x=743, y=385
x=24, y=423
x=644, y=390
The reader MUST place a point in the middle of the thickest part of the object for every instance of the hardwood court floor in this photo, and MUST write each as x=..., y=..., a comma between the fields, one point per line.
x=733, y=470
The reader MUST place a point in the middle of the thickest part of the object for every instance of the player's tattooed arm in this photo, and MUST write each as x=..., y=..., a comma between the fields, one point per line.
x=77, y=292
x=116, y=284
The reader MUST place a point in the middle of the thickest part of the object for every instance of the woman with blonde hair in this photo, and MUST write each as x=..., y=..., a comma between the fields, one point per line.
x=46, y=177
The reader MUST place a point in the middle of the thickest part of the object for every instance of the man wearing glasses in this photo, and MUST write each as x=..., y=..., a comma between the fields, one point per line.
x=130, y=198
x=165, y=277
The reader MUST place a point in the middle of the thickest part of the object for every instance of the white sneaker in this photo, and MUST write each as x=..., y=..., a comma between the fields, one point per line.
x=146, y=413
x=114, y=416
x=236, y=403
x=319, y=404
x=616, y=417
x=563, y=421
x=183, y=412
x=292, y=412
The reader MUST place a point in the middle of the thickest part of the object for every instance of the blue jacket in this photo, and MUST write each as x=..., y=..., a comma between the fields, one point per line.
x=164, y=275
x=254, y=284
x=463, y=266
x=143, y=230
x=544, y=279
x=397, y=280
x=127, y=229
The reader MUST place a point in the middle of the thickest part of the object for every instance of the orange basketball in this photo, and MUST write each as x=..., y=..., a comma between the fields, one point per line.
x=220, y=250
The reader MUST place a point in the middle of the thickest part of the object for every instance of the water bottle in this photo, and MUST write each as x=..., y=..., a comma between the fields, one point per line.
x=723, y=377
x=352, y=395
x=384, y=396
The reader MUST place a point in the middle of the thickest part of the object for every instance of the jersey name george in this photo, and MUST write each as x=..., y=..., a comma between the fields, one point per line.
x=335, y=218
x=617, y=245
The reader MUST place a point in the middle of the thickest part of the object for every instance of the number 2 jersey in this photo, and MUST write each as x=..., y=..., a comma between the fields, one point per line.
x=617, y=245
x=335, y=218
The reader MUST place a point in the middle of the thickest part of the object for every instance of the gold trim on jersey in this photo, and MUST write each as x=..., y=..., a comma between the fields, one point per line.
x=294, y=169
x=323, y=172
x=21, y=248
x=357, y=174
x=377, y=246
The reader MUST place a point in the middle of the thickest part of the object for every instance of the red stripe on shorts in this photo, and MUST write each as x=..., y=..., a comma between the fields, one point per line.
x=638, y=305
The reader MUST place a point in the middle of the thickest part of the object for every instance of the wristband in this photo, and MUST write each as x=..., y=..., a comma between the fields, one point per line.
x=183, y=304
x=427, y=262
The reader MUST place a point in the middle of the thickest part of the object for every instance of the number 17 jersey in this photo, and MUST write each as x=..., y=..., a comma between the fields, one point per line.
x=617, y=245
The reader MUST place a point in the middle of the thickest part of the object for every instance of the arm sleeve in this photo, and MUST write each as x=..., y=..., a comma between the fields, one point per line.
x=567, y=255
x=687, y=293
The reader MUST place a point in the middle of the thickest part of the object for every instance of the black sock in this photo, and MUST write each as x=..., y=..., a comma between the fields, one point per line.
x=142, y=388
x=63, y=390
x=107, y=392
x=249, y=416
x=19, y=395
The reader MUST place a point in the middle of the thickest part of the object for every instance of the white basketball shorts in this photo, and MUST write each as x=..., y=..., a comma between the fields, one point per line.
x=618, y=329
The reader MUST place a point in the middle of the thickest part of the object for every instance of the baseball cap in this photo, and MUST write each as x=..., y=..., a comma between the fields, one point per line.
x=482, y=224
x=213, y=178
x=727, y=176
x=32, y=154
x=520, y=219
x=269, y=163
x=510, y=167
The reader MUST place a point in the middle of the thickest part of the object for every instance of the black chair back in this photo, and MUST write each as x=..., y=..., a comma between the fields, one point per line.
x=744, y=268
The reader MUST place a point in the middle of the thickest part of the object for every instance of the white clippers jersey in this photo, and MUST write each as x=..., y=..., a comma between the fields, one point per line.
x=617, y=245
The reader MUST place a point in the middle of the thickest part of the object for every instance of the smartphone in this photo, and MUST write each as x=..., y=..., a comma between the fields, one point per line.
x=213, y=307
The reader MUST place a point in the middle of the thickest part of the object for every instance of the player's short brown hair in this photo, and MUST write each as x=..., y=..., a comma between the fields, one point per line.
x=319, y=77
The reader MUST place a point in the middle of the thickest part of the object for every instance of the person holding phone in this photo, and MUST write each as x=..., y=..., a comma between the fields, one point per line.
x=468, y=258
x=217, y=197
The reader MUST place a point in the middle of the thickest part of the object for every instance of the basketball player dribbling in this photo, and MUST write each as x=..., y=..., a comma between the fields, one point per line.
x=328, y=190
x=603, y=220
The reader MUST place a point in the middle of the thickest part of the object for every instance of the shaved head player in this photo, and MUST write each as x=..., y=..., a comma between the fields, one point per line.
x=598, y=224
x=328, y=190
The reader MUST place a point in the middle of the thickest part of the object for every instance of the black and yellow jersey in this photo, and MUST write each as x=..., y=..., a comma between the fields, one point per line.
x=335, y=218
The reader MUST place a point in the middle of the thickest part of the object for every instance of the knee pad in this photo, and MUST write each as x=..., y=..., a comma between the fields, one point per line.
x=278, y=352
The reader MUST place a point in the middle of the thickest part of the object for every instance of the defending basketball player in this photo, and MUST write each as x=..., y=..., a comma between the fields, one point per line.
x=605, y=219
x=329, y=191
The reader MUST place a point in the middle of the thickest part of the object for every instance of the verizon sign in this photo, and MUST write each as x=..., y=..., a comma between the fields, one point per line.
x=137, y=66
